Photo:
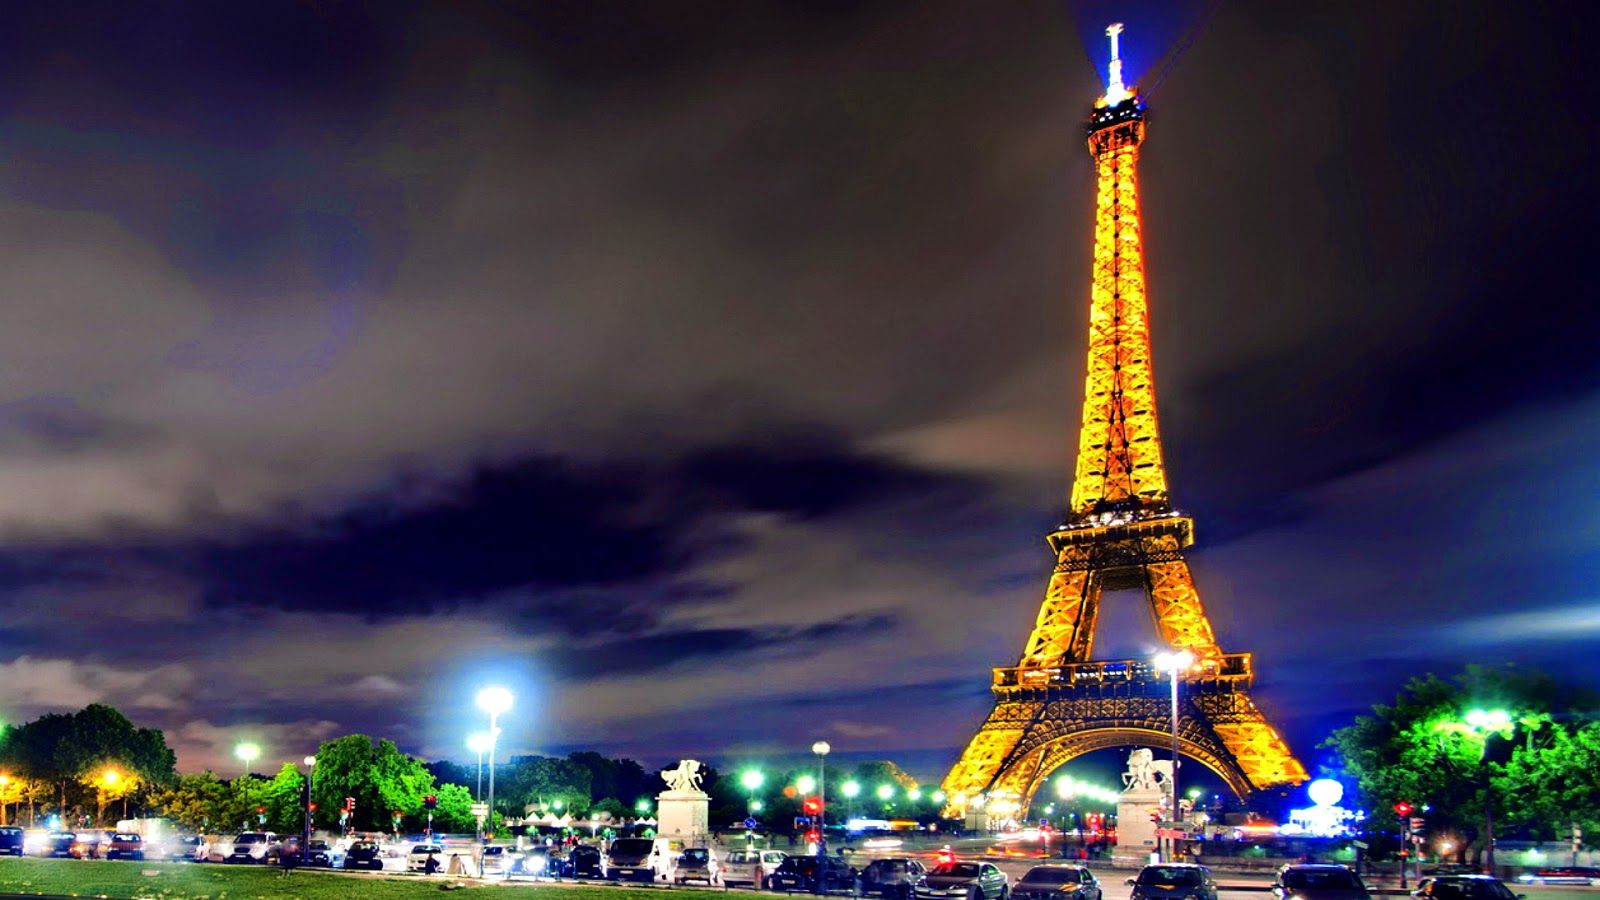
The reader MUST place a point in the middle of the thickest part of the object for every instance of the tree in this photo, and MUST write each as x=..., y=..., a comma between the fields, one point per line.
x=1563, y=775
x=380, y=778
x=201, y=801
x=454, y=812
x=1413, y=750
x=545, y=781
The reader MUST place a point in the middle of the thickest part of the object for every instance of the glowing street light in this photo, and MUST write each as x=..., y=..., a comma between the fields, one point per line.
x=885, y=792
x=1478, y=727
x=247, y=752
x=311, y=774
x=805, y=784
x=1174, y=663
x=496, y=701
x=821, y=749
x=642, y=807
x=752, y=779
x=914, y=795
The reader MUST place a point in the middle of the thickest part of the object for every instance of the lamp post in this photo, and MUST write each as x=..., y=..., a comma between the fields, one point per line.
x=885, y=794
x=752, y=780
x=1174, y=663
x=495, y=701
x=247, y=752
x=5, y=787
x=479, y=743
x=851, y=790
x=108, y=780
x=305, y=837
x=821, y=748
x=1478, y=727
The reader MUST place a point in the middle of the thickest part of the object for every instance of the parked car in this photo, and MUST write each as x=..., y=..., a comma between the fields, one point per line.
x=1463, y=887
x=752, y=867
x=697, y=864
x=1562, y=875
x=90, y=844
x=1319, y=882
x=1060, y=882
x=364, y=855
x=12, y=841
x=813, y=874
x=124, y=845
x=250, y=847
x=972, y=880
x=323, y=855
x=58, y=843
x=1173, y=881
x=892, y=877
x=536, y=862
x=417, y=860
x=583, y=861
x=640, y=859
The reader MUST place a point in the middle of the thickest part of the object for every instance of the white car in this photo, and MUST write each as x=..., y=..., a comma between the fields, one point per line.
x=751, y=866
x=246, y=847
x=417, y=859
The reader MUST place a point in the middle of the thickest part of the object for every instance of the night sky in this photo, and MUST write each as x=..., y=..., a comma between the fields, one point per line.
x=710, y=373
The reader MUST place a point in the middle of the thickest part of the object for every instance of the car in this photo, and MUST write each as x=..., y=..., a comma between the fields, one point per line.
x=364, y=855
x=892, y=876
x=249, y=847
x=1173, y=881
x=752, y=867
x=58, y=843
x=174, y=847
x=1463, y=887
x=697, y=864
x=640, y=859
x=584, y=861
x=421, y=854
x=124, y=845
x=1452, y=869
x=12, y=840
x=972, y=880
x=1319, y=881
x=813, y=874
x=90, y=844
x=1060, y=882
x=1562, y=875
x=322, y=854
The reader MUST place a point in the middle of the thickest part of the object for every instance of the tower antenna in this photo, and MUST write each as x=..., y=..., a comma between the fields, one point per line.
x=1116, y=92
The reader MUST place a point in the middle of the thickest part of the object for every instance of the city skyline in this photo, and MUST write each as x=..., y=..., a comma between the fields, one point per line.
x=711, y=379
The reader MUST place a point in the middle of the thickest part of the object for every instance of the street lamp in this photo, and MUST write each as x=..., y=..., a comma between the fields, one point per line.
x=479, y=743
x=752, y=780
x=642, y=807
x=1173, y=663
x=852, y=790
x=5, y=787
x=247, y=752
x=494, y=700
x=311, y=769
x=108, y=780
x=821, y=748
x=805, y=784
x=885, y=793
x=1479, y=725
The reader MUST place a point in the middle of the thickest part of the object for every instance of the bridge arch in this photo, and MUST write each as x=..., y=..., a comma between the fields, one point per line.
x=1027, y=774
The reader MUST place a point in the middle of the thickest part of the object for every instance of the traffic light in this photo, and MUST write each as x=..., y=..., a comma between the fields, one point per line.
x=1418, y=824
x=311, y=807
x=812, y=806
x=1155, y=816
x=813, y=836
x=1402, y=809
x=430, y=802
x=260, y=810
x=349, y=804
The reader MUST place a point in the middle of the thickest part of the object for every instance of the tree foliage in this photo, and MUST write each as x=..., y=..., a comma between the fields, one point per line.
x=1416, y=750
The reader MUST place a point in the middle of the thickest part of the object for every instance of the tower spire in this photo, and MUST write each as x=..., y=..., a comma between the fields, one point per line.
x=1116, y=92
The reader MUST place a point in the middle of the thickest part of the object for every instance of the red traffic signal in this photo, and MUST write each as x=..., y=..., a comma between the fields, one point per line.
x=312, y=807
x=814, y=836
x=349, y=804
x=812, y=806
x=1402, y=808
x=260, y=810
x=430, y=802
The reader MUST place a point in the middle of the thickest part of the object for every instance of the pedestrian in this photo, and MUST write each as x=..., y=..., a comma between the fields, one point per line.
x=430, y=866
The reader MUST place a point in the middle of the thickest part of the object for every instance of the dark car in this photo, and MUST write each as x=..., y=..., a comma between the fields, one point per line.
x=1319, y=882
x=364, y=855
x=124, y=845
x=11, y=841
x=893, y=876
x=1463, y=887
x=813, y=874
x=1173, y=881
x=583, y=861
x=971, y=880
x=1057, y=882
x=59, y=843
x=696, y=864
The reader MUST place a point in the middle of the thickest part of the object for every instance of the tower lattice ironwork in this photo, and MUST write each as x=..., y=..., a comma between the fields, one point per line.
x=1121, y=532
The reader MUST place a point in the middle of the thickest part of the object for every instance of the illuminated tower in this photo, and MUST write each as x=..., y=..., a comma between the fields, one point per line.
x=1121, y=533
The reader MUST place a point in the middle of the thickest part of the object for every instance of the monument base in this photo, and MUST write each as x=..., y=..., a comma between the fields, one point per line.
x=1136, y=834
x=685, y=816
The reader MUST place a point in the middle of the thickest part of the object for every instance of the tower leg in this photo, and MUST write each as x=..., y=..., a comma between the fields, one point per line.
x=1180, y=616
x=1064, y=631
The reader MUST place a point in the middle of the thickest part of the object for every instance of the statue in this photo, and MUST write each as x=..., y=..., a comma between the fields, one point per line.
x=1145, y=772
x=686, y=777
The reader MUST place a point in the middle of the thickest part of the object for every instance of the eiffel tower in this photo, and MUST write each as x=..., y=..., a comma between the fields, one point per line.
x=1121, y=532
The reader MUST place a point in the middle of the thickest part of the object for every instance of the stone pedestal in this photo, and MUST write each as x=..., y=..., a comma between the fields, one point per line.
x=1136, y=834
x=685, y=816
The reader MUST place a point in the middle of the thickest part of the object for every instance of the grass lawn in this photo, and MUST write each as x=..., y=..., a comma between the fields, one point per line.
x=127, y=881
